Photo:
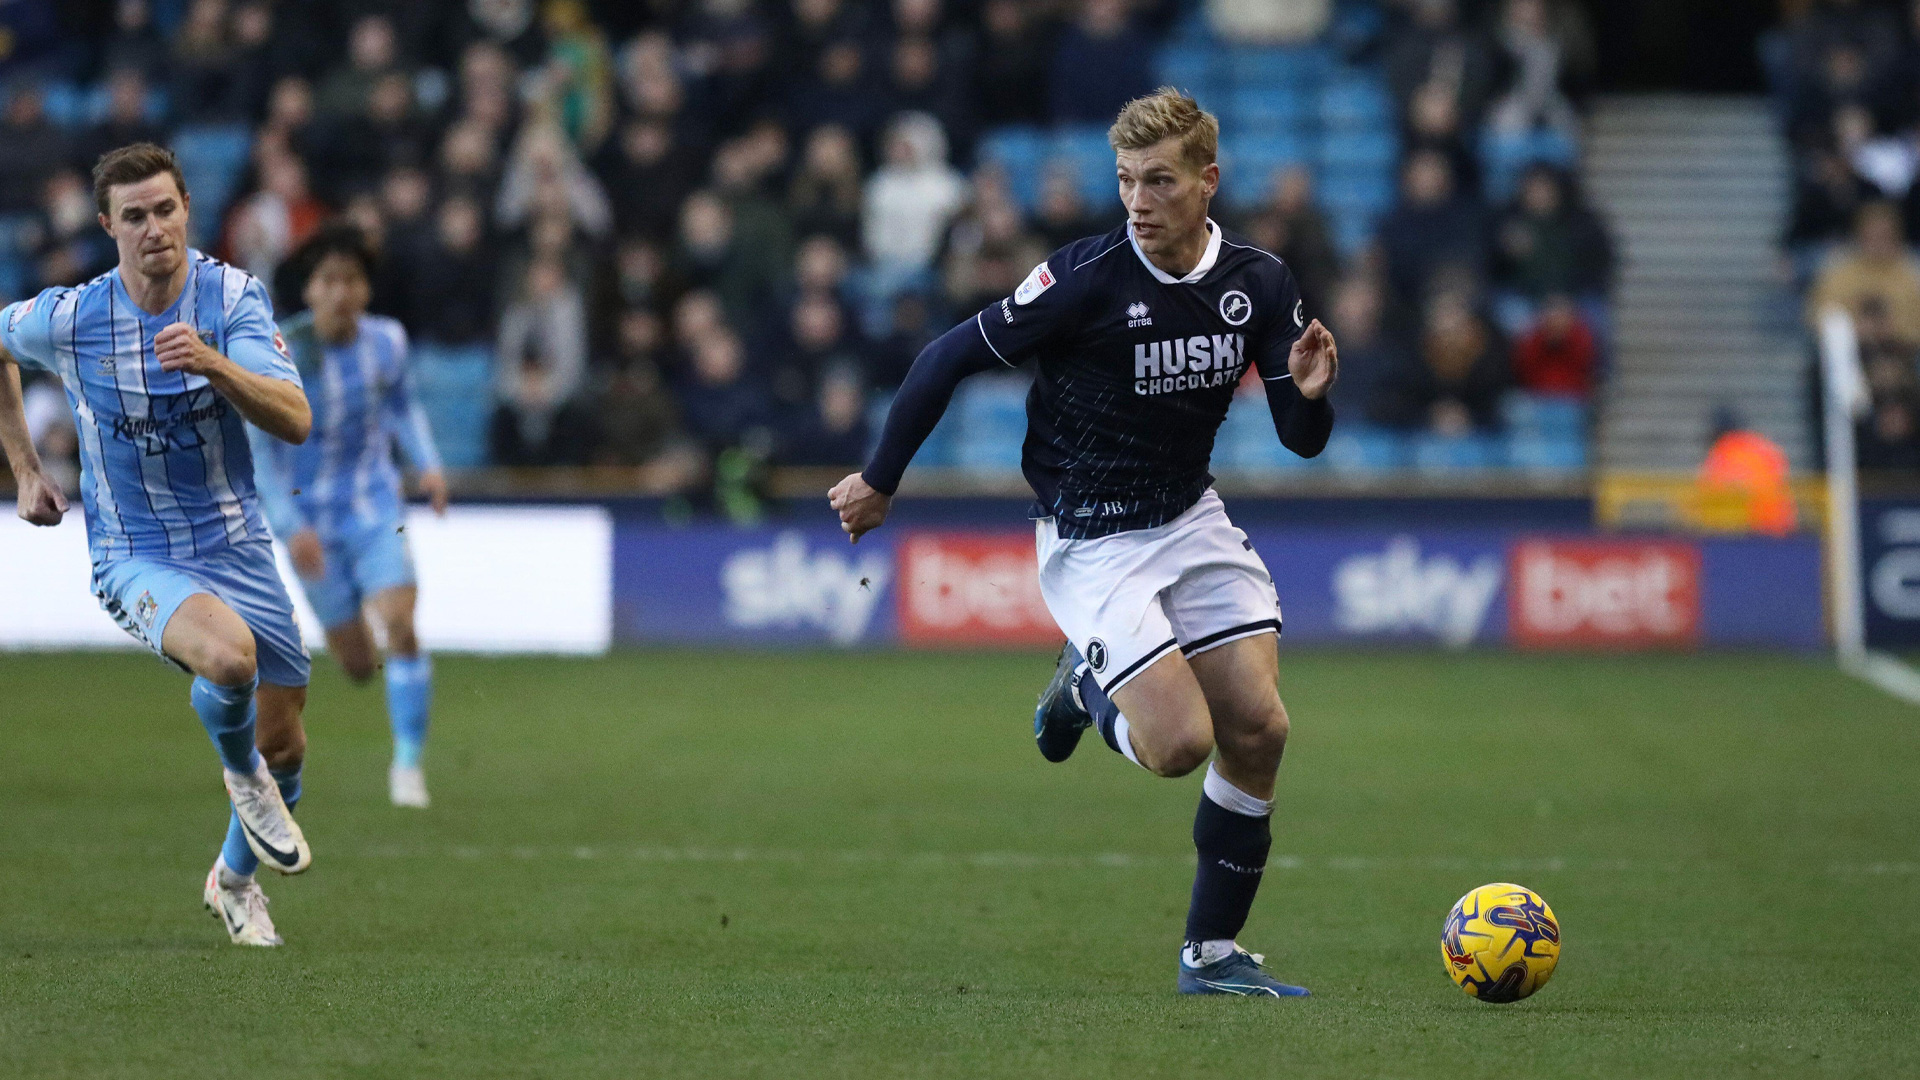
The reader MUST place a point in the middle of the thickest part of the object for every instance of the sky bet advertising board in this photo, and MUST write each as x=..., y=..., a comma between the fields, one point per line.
x=1890, y=572
x=939, y=588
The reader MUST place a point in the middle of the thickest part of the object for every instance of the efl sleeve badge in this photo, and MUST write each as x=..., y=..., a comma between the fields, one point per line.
x=1037, y=282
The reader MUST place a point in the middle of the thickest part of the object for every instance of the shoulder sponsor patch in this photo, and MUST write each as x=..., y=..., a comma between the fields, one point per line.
x=1037, y=282
x=20, y=311
x=1299, y=313
x=280, y=344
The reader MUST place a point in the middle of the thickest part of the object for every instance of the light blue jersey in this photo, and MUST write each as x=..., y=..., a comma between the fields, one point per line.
x=343, y=480
x=165, y=466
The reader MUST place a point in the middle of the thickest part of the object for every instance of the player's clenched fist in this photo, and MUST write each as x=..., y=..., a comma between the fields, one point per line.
x=179, y=348
x=41, y=502
x=861, y=507
x=1314, y=362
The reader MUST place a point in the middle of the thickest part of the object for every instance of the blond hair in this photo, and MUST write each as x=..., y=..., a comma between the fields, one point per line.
x=1168, y=114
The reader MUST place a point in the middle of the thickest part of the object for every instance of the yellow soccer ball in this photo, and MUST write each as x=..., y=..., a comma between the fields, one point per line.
x=1500, y=943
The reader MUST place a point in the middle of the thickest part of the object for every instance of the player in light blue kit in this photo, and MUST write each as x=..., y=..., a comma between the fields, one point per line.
x=165, y=359
x=336, y=499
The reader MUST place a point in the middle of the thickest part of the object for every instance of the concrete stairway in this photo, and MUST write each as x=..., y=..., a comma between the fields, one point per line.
x=1696, y=190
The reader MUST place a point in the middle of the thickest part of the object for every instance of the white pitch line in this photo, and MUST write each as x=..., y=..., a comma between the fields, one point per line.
x=1021, y=860
x=1495, y=867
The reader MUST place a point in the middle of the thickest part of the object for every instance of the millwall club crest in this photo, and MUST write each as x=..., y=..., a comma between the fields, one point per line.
x=145, y=608
x=1097, y=655
x=1236, y=308
x=1137, y=315
x=1037, y=282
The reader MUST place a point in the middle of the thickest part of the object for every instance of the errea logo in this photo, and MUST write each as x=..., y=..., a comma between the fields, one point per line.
x=1137, y=315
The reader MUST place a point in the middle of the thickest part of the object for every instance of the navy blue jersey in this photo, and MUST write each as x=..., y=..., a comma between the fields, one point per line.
x=1136, y=369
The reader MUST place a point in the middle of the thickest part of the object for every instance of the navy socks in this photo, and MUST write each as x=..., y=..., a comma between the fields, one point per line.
x=1231, y=836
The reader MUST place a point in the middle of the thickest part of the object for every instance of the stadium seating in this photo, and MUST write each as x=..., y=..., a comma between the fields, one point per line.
x=1505, y=155
x=1360, y=447
x=212, y=156
x=991, y=423
x=1432, y=453
x=456, y=389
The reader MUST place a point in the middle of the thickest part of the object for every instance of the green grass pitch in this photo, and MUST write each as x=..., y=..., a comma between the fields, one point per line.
x=685, y=864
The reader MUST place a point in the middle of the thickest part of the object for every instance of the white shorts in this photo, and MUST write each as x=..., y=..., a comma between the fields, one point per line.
x=1127, y=599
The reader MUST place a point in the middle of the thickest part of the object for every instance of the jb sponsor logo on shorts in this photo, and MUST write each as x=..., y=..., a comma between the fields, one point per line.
x=1195, y=363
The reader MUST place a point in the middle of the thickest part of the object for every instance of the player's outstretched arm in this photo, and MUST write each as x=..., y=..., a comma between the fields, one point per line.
x=1302, y=416
x=40, y=501
x=276, y=406
x=863, y=498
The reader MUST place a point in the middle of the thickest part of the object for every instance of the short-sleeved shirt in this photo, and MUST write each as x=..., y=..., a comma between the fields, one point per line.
x=165, y=469
x=1136, y=370
x=343, y=478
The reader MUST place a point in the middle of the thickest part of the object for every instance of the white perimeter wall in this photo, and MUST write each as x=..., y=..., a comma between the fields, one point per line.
x=492, y=579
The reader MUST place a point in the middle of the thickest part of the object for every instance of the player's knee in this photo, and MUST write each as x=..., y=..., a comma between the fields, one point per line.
x=1179, y=755
x=400, y=638
x=358, y=667
x=1260, y=737
x=229, y=663
x=284, y=750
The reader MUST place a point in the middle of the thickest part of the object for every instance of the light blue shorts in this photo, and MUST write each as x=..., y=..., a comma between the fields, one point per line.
x=361, y=563
x=143, y=592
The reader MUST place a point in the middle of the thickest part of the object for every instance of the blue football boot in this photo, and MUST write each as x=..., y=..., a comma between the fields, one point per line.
x=1060, y=718
x=1238, y=973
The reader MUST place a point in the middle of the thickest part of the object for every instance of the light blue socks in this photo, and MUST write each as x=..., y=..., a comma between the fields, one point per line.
x=227, y=712
x=409, y=694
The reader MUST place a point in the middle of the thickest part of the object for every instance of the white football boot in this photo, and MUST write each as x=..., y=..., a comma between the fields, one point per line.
x=407, y=786
x=270, y=829
x=241, y=909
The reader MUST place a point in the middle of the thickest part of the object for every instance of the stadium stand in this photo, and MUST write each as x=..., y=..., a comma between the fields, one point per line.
x=584, y=168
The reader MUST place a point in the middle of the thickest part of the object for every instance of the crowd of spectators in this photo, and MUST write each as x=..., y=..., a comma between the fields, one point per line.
x=1470, y=292
x=1846, y=79
x=702, y=232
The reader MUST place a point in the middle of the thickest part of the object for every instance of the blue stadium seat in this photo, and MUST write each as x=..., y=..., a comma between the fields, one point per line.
x=991, y=423
x=1246, y=442
x=1352, y=233
x=212, y=157
x=1359, y=447
x=1020, y=151
x=1084, y=150
x=13, y=278
x=1450, y=453
x=65, y=104
x=1304, y=65
x=1248, y=162
x=1505, y=155
x=1548, y=452
x=1367, y=190
x=1193, y=68
x=455, y=385
x=1355, y=102
x=1546, y=415
x=1268, y=109
x=1355, y=148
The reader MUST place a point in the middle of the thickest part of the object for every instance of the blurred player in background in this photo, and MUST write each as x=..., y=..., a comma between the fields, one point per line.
x=337, y=499
x=166, y=359
x=1171, y=618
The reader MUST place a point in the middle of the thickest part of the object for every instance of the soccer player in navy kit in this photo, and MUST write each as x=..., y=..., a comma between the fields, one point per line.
x=1171, y=618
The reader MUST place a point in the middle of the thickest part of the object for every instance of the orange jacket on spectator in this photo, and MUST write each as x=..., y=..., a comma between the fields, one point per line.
x=1750, y=463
